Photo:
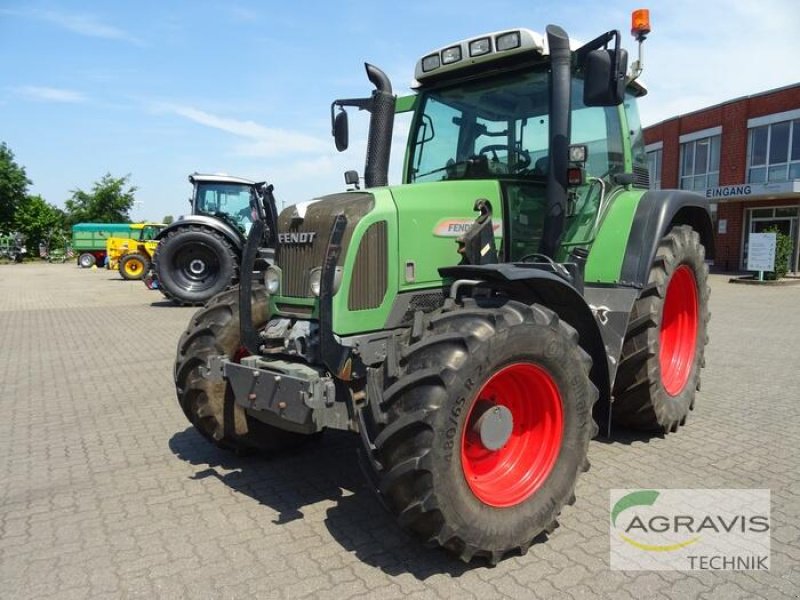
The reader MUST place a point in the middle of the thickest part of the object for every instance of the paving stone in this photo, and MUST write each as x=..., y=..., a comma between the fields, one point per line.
x=107, y=492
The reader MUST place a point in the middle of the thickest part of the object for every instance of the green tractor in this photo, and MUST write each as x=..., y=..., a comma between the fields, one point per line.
x=476, y=323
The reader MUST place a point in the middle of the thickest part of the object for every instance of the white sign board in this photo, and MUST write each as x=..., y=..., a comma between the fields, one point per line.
x=761, y=252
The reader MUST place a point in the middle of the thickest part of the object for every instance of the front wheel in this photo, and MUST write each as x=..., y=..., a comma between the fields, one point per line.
x=664, y=347
x=209, y=404
x=193, y=264
x=133, y=266
x=482, y=431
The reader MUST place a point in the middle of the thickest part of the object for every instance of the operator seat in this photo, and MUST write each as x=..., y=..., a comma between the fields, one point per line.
x=541, y=167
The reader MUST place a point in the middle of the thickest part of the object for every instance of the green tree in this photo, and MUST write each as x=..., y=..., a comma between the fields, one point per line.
x=39, y=221
x=783, y=254
x=13, y=187
x=167, y=219
x=110, y=201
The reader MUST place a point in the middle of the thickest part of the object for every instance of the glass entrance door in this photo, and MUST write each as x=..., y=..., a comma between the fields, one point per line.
x=785, y=220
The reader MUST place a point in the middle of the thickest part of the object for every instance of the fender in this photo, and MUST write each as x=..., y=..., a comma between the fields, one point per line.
x=234, y=236
x=655, y=214
x=530, y=284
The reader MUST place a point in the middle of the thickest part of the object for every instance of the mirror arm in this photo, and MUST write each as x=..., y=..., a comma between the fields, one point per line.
x=600, y=41
x=359, y=103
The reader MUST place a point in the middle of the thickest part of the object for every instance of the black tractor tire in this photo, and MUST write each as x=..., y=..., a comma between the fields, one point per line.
x=86, y=260
x=133, y=266
x=209, y=404
x=664, y=347
x=194, y=264
x=431, y=469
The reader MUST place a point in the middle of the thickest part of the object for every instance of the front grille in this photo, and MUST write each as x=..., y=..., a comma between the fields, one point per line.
x=370, y=271
x=296, y=260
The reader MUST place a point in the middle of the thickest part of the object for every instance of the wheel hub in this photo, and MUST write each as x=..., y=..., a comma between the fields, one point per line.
x=513, y=435
x=494, y=426
x=197, y=267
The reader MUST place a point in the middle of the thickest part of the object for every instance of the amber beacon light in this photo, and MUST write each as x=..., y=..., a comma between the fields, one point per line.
x=640, y=23
x=640, y=27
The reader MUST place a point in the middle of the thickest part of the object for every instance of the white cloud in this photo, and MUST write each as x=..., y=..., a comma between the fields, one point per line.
x=82, y=24
x=49, y=94
x=262, y=141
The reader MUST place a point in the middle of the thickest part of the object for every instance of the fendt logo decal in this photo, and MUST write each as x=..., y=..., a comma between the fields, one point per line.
x=456, y=227
x=297, y=237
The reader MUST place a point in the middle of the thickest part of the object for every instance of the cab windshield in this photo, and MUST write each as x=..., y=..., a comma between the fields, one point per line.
x=225, y=199
x=498, y=128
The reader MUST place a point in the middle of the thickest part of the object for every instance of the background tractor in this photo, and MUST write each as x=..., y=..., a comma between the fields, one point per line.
x=131, y=256
x=198, y=256
x=474, y=356
x=12, y=247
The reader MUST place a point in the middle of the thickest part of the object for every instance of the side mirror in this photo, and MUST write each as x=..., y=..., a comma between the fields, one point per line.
x=605, y=73
x=341, y=133
x=351, y=178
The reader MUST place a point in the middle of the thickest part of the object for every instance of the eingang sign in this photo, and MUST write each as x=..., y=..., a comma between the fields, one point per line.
x=746, y=190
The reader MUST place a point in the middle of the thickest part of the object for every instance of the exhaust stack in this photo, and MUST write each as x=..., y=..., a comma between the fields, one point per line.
x=559, y=133
x=381, y=125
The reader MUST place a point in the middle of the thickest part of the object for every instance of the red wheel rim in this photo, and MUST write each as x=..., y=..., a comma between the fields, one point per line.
x=511, y=474
x=678, y=337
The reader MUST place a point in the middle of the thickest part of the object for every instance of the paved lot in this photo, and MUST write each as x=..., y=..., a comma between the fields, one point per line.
x=106, y=492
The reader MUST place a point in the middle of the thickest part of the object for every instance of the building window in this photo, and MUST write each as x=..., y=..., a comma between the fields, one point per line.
x=654, y=166
x=774, y=153
x=700, y=163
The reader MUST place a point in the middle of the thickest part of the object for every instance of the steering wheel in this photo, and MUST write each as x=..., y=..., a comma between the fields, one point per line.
x=522, y=159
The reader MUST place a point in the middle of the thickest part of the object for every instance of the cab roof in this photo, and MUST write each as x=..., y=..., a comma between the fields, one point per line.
x=489, y=48
x=218, y=178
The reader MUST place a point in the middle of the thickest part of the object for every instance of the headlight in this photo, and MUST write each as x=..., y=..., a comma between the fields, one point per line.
x=272, y=280
x=315, y=280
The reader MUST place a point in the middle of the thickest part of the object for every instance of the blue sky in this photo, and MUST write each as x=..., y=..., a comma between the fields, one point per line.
x=162, y=89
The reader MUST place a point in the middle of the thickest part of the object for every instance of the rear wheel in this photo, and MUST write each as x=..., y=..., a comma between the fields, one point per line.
x=133, y=266
x=663, y=352
x=209, y=404
x=193, y=264
x=86, y=260
x=483, y=428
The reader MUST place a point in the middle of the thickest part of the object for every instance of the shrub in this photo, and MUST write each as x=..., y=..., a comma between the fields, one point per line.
x=783, y=254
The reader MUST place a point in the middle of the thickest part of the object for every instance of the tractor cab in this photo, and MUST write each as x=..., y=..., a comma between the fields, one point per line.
x=223, y=197
x=150, y=231
x=483, y=112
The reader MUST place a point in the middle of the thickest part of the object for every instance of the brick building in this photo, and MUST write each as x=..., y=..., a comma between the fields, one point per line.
x=744, y=156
